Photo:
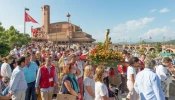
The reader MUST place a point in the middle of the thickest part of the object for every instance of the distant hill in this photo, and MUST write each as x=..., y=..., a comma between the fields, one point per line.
x=170, y=42
x=145, y=42
x=152, y=42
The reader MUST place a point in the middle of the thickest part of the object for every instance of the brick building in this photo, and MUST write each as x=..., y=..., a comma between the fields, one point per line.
x=61, y=32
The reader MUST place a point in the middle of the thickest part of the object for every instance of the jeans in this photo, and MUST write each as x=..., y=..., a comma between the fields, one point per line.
x=31, y=91
x=166, y=98
x=122, y=84
x=5, y=91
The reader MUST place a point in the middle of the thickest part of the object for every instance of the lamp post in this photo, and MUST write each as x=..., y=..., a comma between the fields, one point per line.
x=56, y=34
x=25, y=9
x=68, y=16
x=164, y=40
x=140, y=40
x=170, y=42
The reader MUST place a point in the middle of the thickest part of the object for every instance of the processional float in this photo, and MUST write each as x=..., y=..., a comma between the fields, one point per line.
x=101, y=54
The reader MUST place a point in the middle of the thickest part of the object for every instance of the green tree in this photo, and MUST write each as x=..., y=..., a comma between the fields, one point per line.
x=143, y=42
x=4, y=49
x=11, y=37
x=158, y=47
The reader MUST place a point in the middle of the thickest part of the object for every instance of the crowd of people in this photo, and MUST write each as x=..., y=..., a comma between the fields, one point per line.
x=39, y=70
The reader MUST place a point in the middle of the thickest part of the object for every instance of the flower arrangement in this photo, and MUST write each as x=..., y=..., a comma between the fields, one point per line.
x=99, y=54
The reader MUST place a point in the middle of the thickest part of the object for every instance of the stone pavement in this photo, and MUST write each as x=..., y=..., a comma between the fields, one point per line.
x=124, y=97
x=172, y=97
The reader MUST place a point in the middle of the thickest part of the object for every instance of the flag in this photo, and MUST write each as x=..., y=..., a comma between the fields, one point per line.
x=34, y=32
x=27, y=9
x=28, y=18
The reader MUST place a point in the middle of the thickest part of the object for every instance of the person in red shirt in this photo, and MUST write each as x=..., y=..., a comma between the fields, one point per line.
x=141, y=62
x=46, y=79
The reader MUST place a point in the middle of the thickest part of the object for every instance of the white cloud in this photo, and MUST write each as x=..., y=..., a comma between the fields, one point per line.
x=164, y=10
x=159, y=32
x=132, y=25
x=173, y=20
x=153, y=10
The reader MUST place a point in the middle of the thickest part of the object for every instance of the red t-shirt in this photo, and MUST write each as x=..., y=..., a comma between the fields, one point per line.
x=142, y=63
x=124, y=68
x=111, y=72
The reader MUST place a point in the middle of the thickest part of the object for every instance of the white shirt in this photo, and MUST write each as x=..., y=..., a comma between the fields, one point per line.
x=161, y=72
x=131, y=70
x=165, y=77
x=126, y=60
x=100, y=90
x=80, y=67
x=6, y=70
x=84, y=51
x=15, y=50
x=89, y=82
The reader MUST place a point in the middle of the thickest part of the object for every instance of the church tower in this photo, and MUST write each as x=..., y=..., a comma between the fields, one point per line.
x=45, y=18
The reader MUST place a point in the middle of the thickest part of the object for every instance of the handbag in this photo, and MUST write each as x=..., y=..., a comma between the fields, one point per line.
x=61, y=96
x=66, y=97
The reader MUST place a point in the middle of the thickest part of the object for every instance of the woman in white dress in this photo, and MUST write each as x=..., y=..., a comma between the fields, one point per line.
x=101, y=91
x=89, y=83
x=131, y=75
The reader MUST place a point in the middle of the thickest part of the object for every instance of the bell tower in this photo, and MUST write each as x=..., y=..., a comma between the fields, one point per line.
x=45, y=18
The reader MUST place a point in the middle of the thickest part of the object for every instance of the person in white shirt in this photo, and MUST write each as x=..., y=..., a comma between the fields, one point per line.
x=164, y=75
x=15, y=50
x=89, y=83
x=131, y=75
x=101, y=91
x=6, y=70
x=147, y=83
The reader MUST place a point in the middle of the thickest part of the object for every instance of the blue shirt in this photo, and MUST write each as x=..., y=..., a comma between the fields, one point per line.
x=38, y=80
x=148, y=86
x=30, y=72
x=17, y=81
x=0, y=65
x=173, y=61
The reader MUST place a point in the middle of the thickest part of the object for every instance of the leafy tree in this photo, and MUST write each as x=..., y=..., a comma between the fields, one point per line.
x=152, y=55
x=158, y=47
x=4, y=50
x=11, y=37
x=143, y=42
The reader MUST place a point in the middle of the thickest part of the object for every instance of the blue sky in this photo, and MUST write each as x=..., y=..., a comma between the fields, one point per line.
x=128, y=20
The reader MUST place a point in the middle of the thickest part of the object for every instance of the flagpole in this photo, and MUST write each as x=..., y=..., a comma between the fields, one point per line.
x=25, y=9
x=24, y=21
x=31, y=31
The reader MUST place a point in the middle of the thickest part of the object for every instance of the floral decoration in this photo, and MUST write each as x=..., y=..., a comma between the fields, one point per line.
x=100, y=54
